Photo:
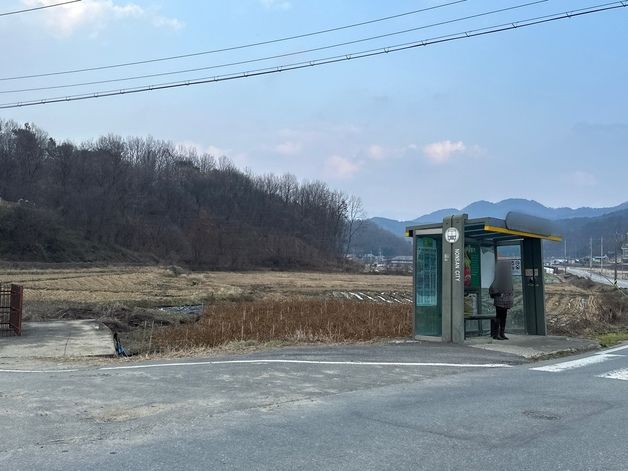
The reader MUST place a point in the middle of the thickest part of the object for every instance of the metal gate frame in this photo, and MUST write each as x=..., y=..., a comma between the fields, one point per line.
x=11, y=303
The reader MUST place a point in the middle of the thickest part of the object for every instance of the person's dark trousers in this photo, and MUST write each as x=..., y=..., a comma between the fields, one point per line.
x=494, y=327
x=500, y=318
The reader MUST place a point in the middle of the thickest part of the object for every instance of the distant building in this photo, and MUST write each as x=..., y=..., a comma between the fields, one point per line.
x=624, y=252
x=401, y=261
x=597, y=260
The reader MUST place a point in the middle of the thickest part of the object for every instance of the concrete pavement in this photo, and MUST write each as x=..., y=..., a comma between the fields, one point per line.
x=535, y=346
x=405, y=406
x=58, y=339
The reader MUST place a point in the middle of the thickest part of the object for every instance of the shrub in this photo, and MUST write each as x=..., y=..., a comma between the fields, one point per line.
x=309, y=320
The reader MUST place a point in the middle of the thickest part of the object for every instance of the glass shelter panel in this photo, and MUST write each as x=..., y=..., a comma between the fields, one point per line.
x=486, y=307
x=427, y=289
x=515, y=322
x=473, y=288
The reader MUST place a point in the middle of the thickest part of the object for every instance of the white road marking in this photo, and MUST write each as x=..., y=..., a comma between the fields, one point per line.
x=37, y=371
x=617, y=374
x=270, y=361
x=308, y=362
x=570, y=365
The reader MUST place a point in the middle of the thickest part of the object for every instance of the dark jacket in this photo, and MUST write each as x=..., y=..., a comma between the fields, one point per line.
x=502, y=299
x=501, y=289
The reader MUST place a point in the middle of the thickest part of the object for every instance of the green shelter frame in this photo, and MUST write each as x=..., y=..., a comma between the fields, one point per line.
x=448, y=264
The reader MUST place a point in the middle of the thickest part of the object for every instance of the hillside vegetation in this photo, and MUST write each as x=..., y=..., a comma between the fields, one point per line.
x=370, y=238
x=581, y=232
x=145, y=199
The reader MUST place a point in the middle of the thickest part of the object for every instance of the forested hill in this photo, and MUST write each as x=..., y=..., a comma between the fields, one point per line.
x=372, y=239
x=144, y=199
x=602, y=234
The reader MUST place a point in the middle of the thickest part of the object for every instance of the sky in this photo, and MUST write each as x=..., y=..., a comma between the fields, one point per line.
x=538, y=112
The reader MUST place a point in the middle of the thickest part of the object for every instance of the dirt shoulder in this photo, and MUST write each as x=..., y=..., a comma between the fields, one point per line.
x=580, y=307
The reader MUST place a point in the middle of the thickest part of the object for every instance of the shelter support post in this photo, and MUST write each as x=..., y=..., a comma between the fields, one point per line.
x=453, y=279
x=533, y=286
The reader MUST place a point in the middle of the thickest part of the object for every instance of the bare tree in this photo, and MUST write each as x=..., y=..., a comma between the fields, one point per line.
x=355, y=220
x=146, y=196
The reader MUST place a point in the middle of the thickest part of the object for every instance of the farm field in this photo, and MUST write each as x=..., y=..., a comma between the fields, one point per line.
x=158, y=309
x=567, y=302
x=161, y=308
x=160, y=286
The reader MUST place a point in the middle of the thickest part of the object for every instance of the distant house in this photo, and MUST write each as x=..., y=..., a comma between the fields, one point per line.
x=401, y=261
x=624, y=252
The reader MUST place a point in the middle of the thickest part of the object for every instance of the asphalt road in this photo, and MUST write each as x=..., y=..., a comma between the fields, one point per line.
x=407, y=406
x=596, y=277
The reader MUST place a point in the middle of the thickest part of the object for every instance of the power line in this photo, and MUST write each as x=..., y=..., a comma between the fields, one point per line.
x=43, y=7
x=330, y=60
x=233, y=48
x=277, y=56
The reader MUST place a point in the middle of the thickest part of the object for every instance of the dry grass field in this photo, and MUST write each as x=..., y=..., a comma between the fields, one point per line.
x=158, y=286
x=267, y=306
x=298, y=320
x=250, y=307
x=581, y=307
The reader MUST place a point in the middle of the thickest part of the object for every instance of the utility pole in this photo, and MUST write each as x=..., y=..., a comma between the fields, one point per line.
x=591, y=255
x=601, y=255
x=616, y=250
x=624, y=241
x=565, y=255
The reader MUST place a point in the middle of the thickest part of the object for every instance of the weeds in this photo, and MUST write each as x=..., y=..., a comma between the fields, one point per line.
x=299, y=320
x=612, y=338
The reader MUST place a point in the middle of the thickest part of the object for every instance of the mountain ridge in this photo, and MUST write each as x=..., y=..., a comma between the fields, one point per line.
x=499, y=209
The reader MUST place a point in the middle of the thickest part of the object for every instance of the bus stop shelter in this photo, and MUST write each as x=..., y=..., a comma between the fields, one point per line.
x=454, y=265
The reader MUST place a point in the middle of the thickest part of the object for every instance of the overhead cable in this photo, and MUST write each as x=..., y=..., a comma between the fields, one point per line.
x=43, y=7
x=276, y=56
x=231, y=48
x=330, y=60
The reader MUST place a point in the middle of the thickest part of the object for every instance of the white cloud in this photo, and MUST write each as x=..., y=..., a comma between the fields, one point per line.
x=377, y=152
x=96, y=15
x=288, y=148
x=215, y=151
x=212, y=150
x=276, y=4
x=442, y=151
x=340, y=167
x=580, y=178
x=437, y=152
x=239, y=159
x=173, y=24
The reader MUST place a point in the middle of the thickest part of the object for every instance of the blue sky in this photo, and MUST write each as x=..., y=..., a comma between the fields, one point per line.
x=540, y=112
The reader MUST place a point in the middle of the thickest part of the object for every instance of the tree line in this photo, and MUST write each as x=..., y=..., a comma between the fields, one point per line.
x=150, y=197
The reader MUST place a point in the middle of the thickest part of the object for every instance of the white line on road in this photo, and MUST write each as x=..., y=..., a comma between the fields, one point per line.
x=308, y=362
x=269, y=361
x=570, y=365
x=37, y=371
x=617, y=374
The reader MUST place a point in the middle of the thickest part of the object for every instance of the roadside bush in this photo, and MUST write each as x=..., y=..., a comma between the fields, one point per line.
x=302, y=320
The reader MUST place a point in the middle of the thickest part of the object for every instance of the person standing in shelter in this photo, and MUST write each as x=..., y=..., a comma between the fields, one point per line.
x=501, y=292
